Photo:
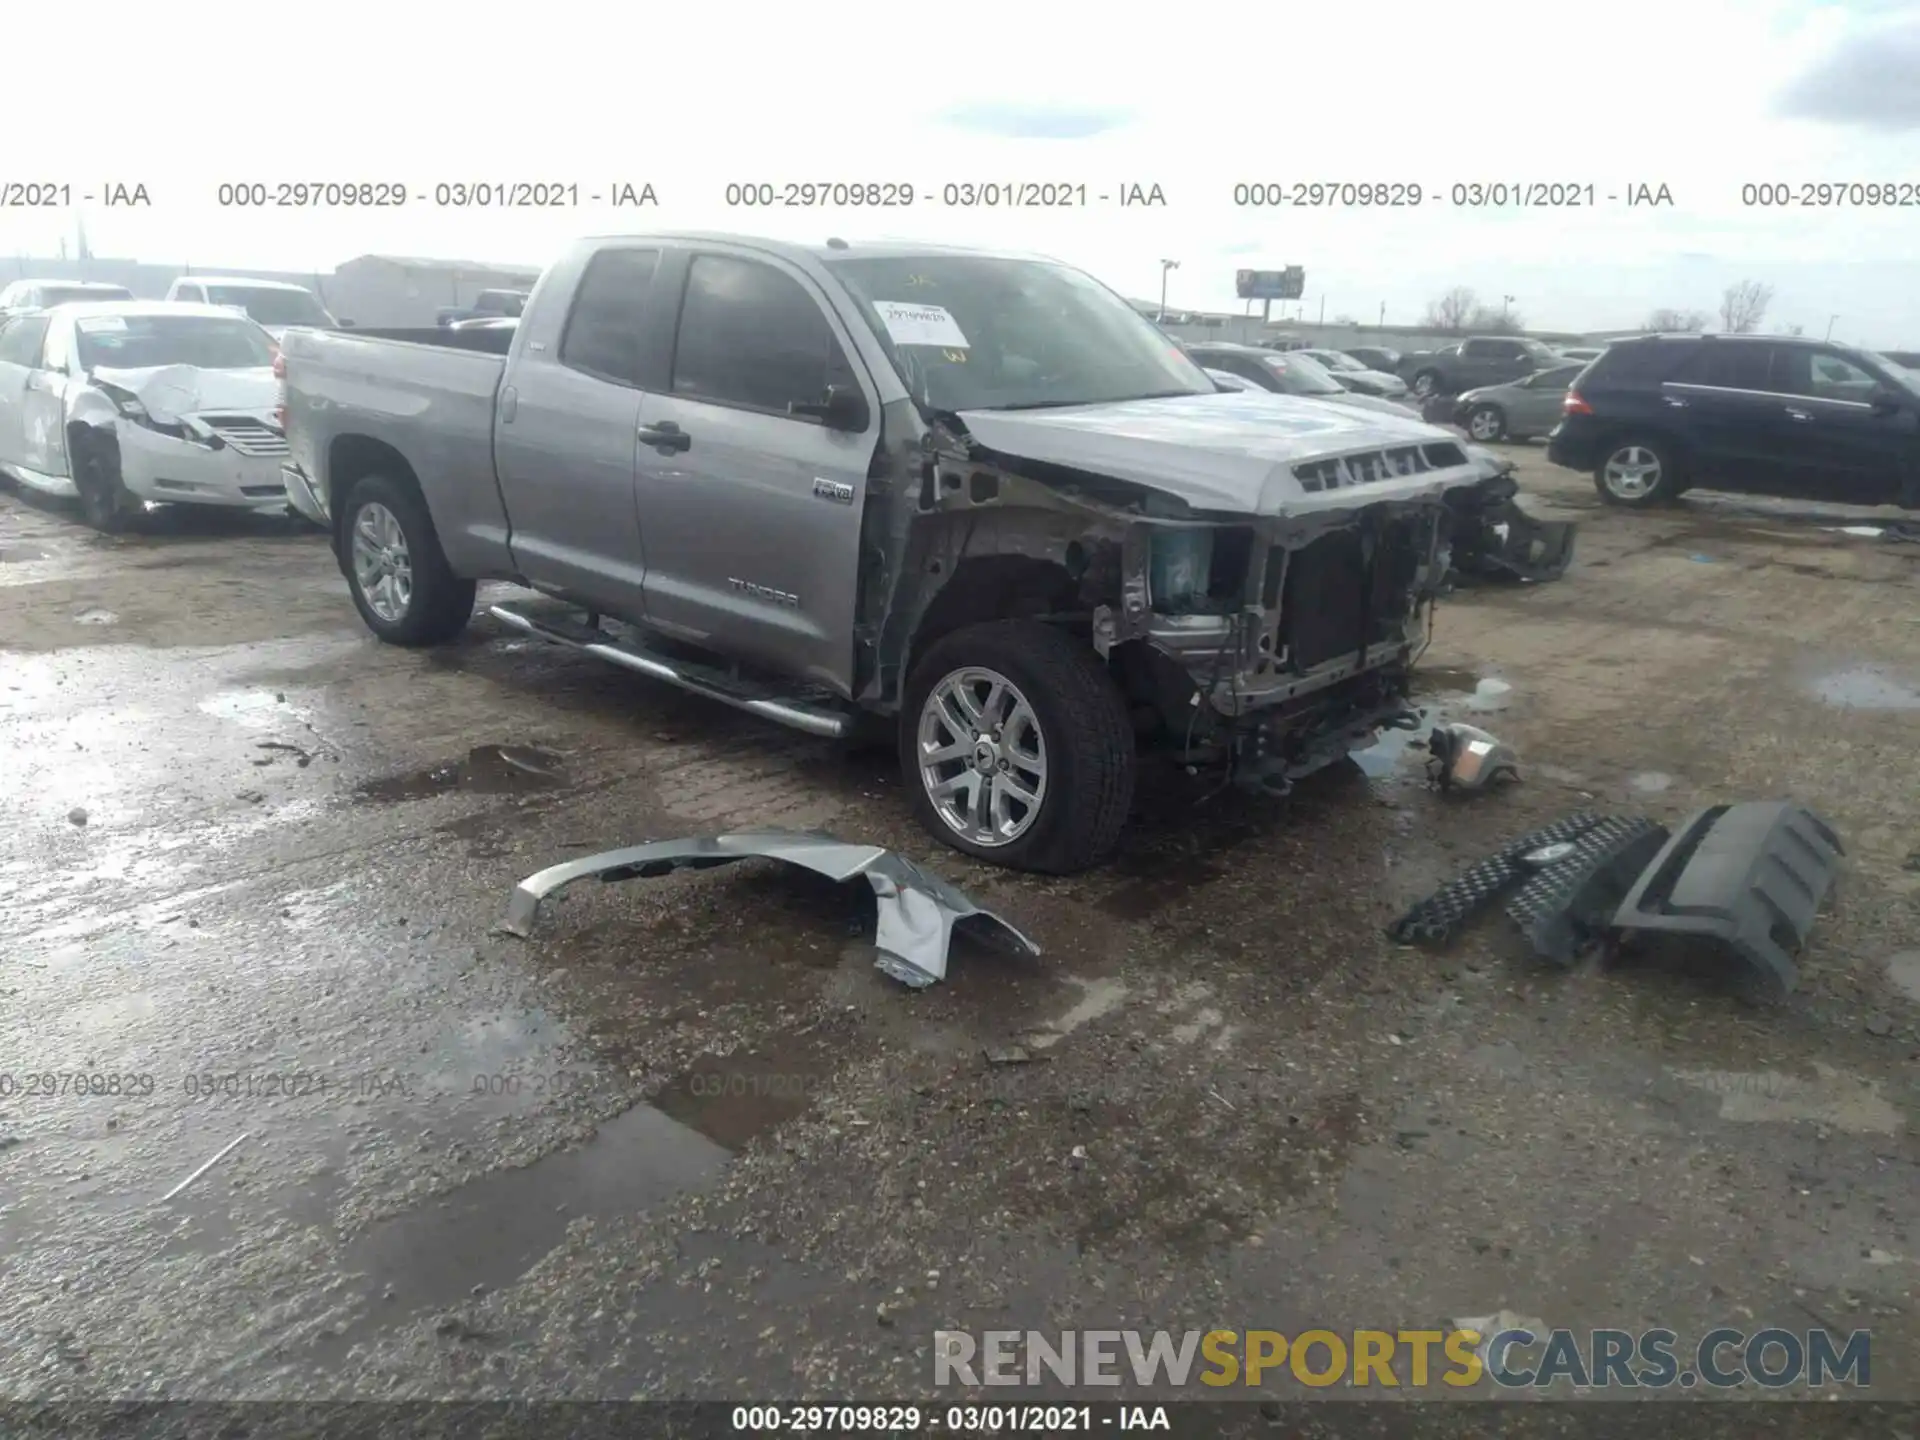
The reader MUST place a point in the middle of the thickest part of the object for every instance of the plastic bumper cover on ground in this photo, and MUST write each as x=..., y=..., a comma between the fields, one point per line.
x=1749, y=876
x=919, y=911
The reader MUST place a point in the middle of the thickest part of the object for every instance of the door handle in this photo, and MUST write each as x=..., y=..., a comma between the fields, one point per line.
x=666, y=437
x=1675, y=402
x=1793, y=414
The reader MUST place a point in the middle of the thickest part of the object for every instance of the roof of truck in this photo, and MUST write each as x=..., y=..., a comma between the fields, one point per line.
x=830, y=249
x=240, y=281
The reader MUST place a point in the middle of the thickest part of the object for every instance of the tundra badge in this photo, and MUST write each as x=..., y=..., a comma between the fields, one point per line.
x=834, y=490
x=766, y=593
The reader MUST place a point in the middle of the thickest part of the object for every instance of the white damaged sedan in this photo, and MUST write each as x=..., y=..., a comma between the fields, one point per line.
x=128, y=403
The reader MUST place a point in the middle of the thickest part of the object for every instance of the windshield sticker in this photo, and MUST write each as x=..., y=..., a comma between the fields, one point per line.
x=920, y=325
x=102, y=325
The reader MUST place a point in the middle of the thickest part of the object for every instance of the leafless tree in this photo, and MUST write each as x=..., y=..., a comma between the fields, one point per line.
x=1669, y=321
x=1744, y=306
x=1453, y=310
x=1485, y=320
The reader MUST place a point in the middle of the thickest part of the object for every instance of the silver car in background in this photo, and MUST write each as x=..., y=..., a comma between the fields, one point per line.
x=1355, y=375
x=1519, y=409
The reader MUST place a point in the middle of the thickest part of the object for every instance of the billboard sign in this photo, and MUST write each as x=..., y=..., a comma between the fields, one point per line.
x=1287, y=284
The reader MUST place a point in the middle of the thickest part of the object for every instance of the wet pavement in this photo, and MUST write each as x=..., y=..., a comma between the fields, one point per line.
x=688, y=1142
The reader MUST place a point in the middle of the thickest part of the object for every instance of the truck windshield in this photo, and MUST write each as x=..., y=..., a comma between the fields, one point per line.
x=972, y=332
x=272, y=307
x=140, y=342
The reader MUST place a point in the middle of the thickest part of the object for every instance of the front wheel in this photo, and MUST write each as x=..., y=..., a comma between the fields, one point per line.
x=401, y=582
x=1486, y=423
x=1017, y=748
x=1637, y=472
x=104, y=500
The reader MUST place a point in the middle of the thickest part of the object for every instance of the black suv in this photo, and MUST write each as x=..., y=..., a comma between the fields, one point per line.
x=1769, y=415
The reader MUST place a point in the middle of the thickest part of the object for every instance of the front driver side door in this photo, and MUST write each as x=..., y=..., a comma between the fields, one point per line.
x=21, y=340
x=751, y=513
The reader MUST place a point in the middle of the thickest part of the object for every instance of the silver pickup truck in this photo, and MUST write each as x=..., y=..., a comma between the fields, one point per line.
x=972, y=494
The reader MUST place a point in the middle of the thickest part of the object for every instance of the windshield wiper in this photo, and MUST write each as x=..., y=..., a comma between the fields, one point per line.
x=1112, y=400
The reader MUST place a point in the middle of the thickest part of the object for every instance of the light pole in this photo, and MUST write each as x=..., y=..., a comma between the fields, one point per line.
x=1166, y=268
x=1830, y=320
x=1506, y=305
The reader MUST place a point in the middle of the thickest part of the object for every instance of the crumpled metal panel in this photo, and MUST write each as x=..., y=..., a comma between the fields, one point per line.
x=1750, y=876
x=919, y=911
x=1504, y=542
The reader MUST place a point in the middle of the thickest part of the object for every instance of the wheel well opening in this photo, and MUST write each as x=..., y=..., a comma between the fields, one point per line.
x=350, y=460
x=995, y=587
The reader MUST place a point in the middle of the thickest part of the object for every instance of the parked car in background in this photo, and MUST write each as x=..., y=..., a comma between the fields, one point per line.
x=490, y=304
x=1374, y=357
x=1477, y=360
x=970, y=493
x=1580, y=352
x=127, y=402
x=1772, y=415
x=274, y=305
x=1518, y=410
x=24, y=295
x=1357, y=377
x=1905, y=359
x=1292, y=373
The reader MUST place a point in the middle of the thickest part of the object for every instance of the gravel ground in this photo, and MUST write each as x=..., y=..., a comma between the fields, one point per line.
x=687, y=1142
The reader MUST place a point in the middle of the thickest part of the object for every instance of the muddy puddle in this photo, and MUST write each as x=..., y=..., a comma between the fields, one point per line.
x=1865, y=687
x=486, y=770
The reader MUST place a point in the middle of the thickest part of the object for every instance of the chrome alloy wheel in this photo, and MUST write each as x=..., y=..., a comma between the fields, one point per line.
x=1484, y=424
x=983, y=759
x=1632, y=472
x=381, y=566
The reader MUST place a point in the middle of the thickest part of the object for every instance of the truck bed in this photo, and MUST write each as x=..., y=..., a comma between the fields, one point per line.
x=426, y=396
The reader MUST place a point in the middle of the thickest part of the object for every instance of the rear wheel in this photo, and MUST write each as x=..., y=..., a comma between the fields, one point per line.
x=398, y=574
x=1017, y=747
x=1426, y=384
x=1638, y=471
x=1487, y=422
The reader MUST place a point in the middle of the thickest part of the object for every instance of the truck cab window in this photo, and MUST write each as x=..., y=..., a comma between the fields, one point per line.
x=603, y=333
x=750, y=335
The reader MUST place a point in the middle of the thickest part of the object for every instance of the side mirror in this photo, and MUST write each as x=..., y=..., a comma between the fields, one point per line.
x=1887, y=401
x=346, y=324
x=843, y=407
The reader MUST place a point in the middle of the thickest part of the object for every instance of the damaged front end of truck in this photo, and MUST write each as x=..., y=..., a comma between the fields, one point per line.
x=1260, y=598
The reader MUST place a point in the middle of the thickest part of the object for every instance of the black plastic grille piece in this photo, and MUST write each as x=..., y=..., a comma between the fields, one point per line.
x=1568, y=904
x=1435, y=920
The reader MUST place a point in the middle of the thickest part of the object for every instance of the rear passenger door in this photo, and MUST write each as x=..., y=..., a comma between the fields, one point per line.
x=1721, y=401
x=752, y=513
x=564, y=433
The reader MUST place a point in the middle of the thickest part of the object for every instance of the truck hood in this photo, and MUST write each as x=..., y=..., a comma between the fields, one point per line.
x=170, y=391
x=1246, y=453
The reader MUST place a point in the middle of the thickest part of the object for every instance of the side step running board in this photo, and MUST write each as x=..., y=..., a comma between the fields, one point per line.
x=698, y=679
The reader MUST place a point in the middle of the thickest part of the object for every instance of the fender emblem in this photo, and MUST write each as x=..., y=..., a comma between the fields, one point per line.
x=837, y=491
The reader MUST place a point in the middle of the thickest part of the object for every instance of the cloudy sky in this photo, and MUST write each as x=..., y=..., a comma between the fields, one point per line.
x=1701, y=96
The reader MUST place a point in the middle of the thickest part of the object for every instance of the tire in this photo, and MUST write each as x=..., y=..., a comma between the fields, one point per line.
x=1426, y=384
x=1490, y=419
x=104, y=501
x=1085, y=749
x=1638, y=472
x=387, y=535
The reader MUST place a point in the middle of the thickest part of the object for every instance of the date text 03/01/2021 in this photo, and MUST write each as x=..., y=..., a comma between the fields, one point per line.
x=947, y=1420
